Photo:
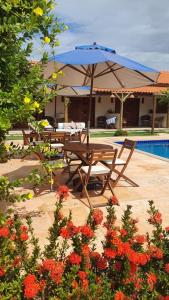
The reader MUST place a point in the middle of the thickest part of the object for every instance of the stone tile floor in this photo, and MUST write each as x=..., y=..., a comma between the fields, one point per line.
x=151, y=174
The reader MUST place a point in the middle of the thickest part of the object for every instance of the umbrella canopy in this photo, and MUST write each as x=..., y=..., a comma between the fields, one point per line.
x=99, y=67
x=72, y=91
x=110, y=69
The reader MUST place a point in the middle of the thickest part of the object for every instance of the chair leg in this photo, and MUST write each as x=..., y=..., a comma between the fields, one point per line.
x=84, y=181
x=121, y=175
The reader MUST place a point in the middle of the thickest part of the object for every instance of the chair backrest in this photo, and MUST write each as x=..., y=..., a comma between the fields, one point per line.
x=28, y=137
x=130, y=145
x=104, y=155
x=45, y=137
x=60, y=136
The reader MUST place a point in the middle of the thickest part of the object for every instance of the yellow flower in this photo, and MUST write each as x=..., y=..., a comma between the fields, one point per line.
x=44, y=123
x=38, y=11
x=60, y=73
x=51, y=181
x=27, y=100
x=54, y=75
x=29, y=196
x=46, y=39
x=36, y=105
x=7, y=147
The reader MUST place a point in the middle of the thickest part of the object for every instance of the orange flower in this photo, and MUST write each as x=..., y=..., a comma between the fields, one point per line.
x=87, y=231
x=2, y=271
x=4, y=232
x=74, y=284
x=97, y=216
x=109, y=253
x=113, y=201
x=140, y=239
x=64, y=233
x=74, y=258
x=156, y=252
x=151, y=280
x=119, y=296
x=23, y=236
x=167, y=268
x=31, y=290
x=63, y=191
x=49, y=264
x=82, y=275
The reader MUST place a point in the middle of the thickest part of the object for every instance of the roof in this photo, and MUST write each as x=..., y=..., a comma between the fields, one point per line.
x=162, y=85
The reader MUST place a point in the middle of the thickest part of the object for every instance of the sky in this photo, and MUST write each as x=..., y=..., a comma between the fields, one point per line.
x=138, y=29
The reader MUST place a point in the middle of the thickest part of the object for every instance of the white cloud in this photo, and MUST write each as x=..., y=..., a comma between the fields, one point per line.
x=135, y=28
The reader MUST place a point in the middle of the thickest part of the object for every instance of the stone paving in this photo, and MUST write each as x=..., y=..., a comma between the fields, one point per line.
x=151, y=174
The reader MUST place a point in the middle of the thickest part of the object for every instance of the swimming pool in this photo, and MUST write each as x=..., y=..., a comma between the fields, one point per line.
x=158, y=147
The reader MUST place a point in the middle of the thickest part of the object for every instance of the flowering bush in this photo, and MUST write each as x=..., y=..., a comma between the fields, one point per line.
x=130, y=265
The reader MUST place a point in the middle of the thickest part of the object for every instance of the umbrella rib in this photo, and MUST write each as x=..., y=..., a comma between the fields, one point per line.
x=104, y=71
x=86, y=70
x=108, y=72
x=145, y=76
x=119, y=81
x=72, y=67
x=88, y=74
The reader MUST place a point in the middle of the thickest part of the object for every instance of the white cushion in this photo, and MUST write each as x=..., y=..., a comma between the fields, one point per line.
x=57, y=145
x=118, y=161
x=96, y=169
x=61, y=125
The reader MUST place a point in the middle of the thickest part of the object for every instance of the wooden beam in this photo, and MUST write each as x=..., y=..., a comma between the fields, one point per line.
x=154, y=113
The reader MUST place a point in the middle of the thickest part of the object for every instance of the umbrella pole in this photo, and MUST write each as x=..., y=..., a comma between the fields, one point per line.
x=90, y=104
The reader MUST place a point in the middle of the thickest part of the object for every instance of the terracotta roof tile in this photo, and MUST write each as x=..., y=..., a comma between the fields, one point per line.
x=163, y=77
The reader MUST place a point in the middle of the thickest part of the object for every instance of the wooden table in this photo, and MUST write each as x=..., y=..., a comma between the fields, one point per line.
x=83, y=152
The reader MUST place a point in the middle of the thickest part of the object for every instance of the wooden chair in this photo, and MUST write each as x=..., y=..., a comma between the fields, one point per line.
x=98, y=170
x=29, y=138
x=128, y=146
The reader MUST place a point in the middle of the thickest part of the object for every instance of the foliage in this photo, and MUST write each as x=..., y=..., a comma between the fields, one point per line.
x=39, y=125
x=22, y=86
x=130, y=265
x=121, y=133
x=7, y=192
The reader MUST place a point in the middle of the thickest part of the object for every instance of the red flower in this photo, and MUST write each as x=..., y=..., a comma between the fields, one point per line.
x=82, y=275
x=114, y=201
x=63, y=191
x=156, y=252
x=24, y=236
x=95, y=255
x=119, y=296
x=97, y=216
x=31, y=290
x=13, y=237
x=29, y=279
x=74, y=258
x=109, y=253
x=140, y=239
x=101, y=263
x=123, y=232
x=49, y=264
x=17, y=261
x=2, y=271
x=156, y=218
x=87, y=231
x=64, y=233
x=4, y=232
x=10, y=222
x=56, y=273
x=133, y=268
x=151, y=280
x=42, y=284
x=167, y=268
x=85, y=284
x=118, y=266
x=23, y=228
x=72, y=228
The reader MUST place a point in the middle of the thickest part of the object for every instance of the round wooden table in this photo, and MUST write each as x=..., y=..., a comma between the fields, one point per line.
x=85, y=148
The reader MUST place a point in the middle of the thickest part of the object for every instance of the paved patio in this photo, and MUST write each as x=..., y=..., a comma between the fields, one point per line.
x=151, y=174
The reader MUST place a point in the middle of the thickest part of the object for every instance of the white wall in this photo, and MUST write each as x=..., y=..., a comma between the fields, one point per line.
x=102, y=107
x=50, y=108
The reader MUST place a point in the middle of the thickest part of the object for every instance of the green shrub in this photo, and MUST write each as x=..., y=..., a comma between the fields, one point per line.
x=121, y=133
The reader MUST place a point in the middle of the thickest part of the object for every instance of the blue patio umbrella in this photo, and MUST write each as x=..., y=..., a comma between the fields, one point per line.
x=99, y=67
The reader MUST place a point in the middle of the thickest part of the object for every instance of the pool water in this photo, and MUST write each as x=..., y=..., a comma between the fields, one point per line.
x=160, y=148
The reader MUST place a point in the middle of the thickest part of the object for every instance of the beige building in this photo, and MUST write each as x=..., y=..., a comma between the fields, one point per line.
x=138, y=108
